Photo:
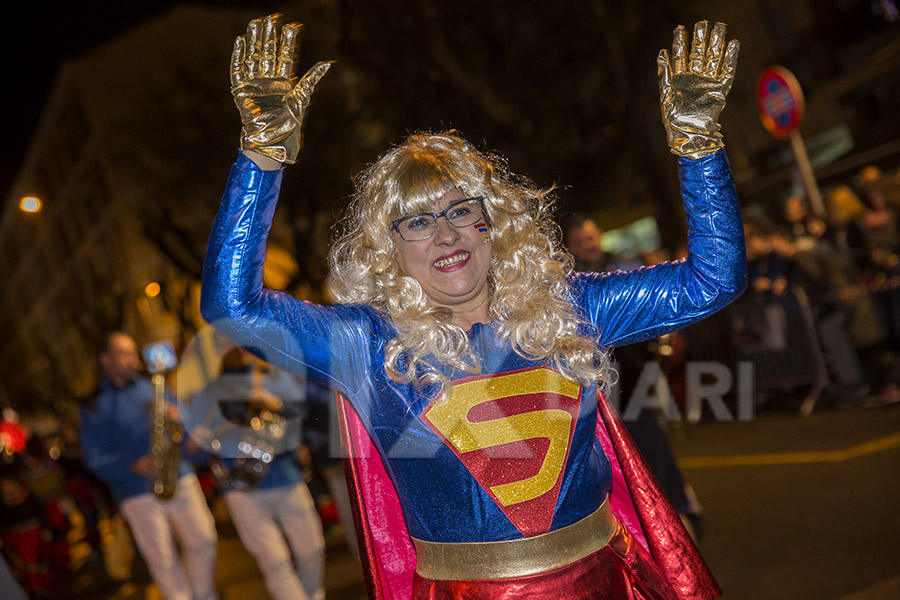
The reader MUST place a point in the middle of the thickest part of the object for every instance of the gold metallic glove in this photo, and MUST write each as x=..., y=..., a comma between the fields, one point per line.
x=272, y=107
x=692, y=89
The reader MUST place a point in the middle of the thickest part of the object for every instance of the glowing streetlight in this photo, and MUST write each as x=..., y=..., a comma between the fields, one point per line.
x=152, y=289
x=30, y=204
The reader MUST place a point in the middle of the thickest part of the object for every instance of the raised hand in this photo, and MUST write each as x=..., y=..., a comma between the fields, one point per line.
x=271, y=102
x=692, y=88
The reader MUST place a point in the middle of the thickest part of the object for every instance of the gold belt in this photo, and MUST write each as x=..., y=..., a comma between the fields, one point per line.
x=516, y=558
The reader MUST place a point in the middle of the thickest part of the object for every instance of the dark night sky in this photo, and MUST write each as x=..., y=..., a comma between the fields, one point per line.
x=34, y=45
x=35, y=42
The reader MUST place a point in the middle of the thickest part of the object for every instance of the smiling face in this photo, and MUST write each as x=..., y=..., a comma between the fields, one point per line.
x=451, y=266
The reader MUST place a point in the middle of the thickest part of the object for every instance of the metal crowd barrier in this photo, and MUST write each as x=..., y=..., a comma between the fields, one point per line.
x=778, y=334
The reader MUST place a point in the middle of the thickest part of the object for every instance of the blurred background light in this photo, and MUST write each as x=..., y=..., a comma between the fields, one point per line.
x=30, y=204
x=152, y=289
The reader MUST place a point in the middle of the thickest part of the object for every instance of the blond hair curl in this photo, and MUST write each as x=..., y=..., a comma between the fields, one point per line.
x=527, y=277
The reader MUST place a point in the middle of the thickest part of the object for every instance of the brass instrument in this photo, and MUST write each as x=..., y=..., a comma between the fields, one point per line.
x=257, y=449
x=165, y=435
x=164, y=439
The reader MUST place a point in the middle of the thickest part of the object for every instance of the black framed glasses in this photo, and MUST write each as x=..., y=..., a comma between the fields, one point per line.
x=421, y=226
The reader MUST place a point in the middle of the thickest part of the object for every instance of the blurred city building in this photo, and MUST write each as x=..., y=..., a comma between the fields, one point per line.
x=100, y=255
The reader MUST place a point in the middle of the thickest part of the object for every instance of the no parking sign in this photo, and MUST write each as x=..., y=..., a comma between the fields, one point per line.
x=779, y=99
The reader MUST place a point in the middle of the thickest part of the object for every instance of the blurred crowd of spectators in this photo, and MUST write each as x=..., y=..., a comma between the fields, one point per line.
x=820, y=320
x=52, y=510
x=843, y=265
x=61, y=534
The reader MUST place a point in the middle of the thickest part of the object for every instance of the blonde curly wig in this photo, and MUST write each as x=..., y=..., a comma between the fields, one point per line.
x=527, y=276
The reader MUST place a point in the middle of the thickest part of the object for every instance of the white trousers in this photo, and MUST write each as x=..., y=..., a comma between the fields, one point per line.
x=337, y=485
x=186, y=515
x=263, y=519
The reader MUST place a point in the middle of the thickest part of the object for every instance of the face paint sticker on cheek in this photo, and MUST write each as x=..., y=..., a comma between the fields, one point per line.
x=483, y=228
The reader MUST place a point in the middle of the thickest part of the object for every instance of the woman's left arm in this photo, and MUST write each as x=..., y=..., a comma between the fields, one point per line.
x=648, y=302
x=645, y=303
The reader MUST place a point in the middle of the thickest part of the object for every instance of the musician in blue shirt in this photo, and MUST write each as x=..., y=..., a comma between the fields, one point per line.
x=115, y=437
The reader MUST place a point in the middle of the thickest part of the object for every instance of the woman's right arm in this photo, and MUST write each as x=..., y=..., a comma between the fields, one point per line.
x=309, y=340
x=326, y=343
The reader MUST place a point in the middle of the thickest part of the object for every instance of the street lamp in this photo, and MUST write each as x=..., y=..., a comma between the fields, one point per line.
x=30, y=204
x=152, y=289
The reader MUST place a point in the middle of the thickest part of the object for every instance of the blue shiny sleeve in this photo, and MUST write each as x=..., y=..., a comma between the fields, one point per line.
x=330, y=344
x=632, y=306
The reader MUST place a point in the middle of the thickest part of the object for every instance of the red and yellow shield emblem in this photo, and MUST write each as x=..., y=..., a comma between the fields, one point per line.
x=513, y=432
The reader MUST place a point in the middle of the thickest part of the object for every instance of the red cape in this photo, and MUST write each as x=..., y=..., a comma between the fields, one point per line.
x=387, y=554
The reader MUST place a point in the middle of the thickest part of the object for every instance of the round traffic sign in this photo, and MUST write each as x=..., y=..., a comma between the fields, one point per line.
x=779, y=99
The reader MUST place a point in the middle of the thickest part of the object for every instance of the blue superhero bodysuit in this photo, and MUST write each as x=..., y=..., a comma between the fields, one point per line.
x=511, y=452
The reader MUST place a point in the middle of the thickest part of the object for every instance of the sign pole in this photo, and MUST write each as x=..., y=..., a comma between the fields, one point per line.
x=779, y=99
x=806, y=171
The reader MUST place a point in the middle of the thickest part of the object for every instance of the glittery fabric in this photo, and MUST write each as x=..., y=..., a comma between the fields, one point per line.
x=650, y=514
x=386, y=552
x=513, y=432
x=442, y=498
x=650, y=301
x=388, y=556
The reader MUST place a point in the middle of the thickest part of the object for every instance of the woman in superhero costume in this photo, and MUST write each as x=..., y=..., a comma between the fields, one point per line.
x=483, y=459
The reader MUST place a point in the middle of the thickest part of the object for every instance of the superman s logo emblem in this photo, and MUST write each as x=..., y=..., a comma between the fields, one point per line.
x=513, y=432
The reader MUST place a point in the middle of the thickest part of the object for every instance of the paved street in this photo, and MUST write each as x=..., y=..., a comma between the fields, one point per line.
x=800, y=508
x=239, y=579
x=796, y=508
x=237, y=576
